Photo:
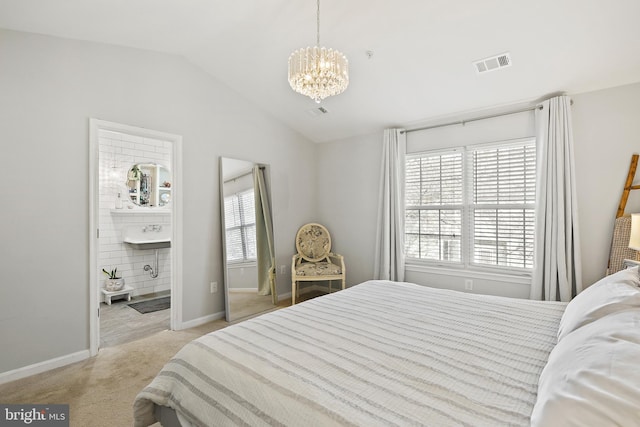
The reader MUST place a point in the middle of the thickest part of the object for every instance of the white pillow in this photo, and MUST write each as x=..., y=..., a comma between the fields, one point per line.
x=619, y=291
x=592, y=377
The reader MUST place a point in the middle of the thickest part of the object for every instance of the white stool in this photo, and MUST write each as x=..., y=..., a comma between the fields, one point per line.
x=110, y=294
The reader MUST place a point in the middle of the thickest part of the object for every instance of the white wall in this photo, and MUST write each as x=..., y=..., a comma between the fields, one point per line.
x=242, y=276
x=347, y=191
x=606, y=127
x=50, y=88
x=606, y=132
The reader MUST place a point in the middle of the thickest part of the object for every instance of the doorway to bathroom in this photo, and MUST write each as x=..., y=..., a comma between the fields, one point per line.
x=135, y=250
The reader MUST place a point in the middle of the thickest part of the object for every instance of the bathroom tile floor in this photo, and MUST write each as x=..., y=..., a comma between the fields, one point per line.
x=120, y=323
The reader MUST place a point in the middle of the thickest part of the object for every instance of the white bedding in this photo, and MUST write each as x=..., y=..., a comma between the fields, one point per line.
x=377, y=354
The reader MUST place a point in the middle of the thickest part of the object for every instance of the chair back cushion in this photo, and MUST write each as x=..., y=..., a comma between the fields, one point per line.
x=313, y=242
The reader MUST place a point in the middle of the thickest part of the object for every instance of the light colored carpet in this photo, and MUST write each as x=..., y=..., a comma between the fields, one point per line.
x=100, y=390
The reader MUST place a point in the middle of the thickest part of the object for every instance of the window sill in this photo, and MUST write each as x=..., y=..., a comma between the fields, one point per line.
x=521, y=279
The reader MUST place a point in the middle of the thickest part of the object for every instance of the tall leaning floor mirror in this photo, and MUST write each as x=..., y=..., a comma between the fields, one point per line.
x=247, y=230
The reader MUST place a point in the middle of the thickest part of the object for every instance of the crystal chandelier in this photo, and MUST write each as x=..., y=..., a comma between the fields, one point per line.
x=318, y=72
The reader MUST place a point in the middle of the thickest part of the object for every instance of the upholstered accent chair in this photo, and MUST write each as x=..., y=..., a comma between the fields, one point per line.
x=314, y=261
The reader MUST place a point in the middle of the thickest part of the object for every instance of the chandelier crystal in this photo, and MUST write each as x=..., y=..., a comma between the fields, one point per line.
x=318, y=72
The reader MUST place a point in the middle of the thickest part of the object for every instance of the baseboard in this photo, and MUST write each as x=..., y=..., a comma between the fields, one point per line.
x=200, y=321
x=243, y=290
x=47, y=365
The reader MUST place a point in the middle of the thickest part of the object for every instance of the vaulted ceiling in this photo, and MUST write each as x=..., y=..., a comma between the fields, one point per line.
x=423, y=50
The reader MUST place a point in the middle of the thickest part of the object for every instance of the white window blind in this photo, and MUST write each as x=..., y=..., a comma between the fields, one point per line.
x=472, y=205
x=434, y=195
x=240, y=224
x=503, y=204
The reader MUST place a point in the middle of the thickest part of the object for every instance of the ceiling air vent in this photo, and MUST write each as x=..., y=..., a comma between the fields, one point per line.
x=493, y=63
x=315, y=112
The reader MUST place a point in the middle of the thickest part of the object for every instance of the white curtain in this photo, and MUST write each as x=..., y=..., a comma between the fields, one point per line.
x=557, y=272
x=265, y=250
x=389, y=256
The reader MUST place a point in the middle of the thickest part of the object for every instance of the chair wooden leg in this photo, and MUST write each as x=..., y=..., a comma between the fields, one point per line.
x=293, y=292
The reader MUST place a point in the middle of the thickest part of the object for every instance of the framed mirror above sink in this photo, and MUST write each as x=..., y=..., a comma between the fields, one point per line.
x=149, y=185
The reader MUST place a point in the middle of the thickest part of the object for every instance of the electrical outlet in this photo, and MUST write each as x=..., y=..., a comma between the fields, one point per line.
x=282, y=267
x=214, y=287
x=468, y=284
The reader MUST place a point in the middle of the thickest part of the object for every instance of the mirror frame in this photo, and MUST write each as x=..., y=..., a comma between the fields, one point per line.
x=223, y=240
x=159, y=188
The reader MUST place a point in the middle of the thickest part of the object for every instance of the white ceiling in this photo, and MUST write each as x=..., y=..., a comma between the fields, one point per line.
x=423, y=49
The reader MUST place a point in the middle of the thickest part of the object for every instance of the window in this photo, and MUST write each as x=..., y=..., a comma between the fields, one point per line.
x=240, y=220
x=434, y=194
x=472, y=206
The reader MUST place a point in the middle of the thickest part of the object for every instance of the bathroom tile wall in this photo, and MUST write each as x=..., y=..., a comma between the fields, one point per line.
x=117, y=153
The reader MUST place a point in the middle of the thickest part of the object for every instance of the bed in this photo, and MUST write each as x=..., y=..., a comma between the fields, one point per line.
x=386, y=353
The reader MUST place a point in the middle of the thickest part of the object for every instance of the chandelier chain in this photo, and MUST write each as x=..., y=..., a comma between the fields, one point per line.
x=318, y=23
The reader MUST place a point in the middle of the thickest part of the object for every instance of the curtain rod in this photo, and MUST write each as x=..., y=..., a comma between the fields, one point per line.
x=244, y=174
x=462, y=122
x=238, y=177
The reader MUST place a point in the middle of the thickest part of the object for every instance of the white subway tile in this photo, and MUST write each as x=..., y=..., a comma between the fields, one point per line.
x=161, y=288
x=131, y=138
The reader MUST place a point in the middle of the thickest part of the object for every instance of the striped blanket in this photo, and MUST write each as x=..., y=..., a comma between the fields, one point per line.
x=377, y=354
